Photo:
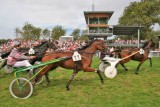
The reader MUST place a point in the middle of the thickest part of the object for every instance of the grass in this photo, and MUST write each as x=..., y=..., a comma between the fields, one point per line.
x=125, y=90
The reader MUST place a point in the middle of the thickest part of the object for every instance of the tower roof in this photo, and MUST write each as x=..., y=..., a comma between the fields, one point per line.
x=98, y=13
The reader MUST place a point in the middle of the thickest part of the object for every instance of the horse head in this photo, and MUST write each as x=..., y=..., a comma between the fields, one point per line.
x=101, y=45
x=149, y=44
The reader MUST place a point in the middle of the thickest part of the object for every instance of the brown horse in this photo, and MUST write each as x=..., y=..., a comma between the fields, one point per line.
x=84, y=64
x=137, y=57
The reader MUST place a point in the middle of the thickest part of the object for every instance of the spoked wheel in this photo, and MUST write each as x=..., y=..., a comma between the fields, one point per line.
x=102, y=66
x=110, y=72
x=33, y=76
x=21, y=88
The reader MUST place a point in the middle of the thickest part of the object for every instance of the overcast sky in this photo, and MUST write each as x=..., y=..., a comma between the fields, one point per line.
x=48, y=13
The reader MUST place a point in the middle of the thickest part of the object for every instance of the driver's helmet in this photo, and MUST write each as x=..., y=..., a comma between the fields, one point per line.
x=16, y=43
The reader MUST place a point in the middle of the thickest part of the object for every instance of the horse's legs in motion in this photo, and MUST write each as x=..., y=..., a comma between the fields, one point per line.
x=139, y=67
x=71, y=78
x=124, y=67
x=150, y=62
x=99, y=74
x=88, y=69
x=47, y=78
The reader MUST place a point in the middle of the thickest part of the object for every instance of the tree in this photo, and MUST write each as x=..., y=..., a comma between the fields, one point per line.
x=18, y=32
x=57, y=31
x=28, y=32
x=76, y=33
x=46, y=33
x=83, y=35
x=145, y=13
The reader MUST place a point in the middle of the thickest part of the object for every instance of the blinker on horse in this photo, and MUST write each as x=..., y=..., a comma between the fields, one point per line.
x=84, y=63
x=137, y=57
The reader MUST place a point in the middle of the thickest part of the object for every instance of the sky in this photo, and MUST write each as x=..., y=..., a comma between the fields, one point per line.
x=49, y=13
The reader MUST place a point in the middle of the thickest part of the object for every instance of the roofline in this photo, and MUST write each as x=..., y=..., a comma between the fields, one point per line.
x=126, y=26
x=107, y=12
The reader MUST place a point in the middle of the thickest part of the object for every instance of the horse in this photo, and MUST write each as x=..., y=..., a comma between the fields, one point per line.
x=137, y=57
x=40, y=51
x=84, y=64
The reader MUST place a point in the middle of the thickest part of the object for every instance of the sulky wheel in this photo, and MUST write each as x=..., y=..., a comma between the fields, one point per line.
x=110, y=72
x=21, y=88
x=102, y=66
x=33, y=76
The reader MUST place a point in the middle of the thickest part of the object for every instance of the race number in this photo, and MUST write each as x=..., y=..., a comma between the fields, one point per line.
x=141, y=51
x=76, y=56
x=31, y=51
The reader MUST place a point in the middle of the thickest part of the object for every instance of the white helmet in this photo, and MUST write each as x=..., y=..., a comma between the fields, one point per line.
x=16, y=43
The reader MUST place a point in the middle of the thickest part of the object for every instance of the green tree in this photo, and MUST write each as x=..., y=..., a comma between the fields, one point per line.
x=83, y=35
x=76, y=33
x=57, y=31
x=46, y=33
x=30, y=32
x=145, y=13
x=18, y=33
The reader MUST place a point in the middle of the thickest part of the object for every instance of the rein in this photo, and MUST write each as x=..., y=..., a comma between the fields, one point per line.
x=67, y=51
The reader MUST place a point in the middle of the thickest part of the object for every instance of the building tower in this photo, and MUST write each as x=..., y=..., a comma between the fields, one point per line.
x=97, y=24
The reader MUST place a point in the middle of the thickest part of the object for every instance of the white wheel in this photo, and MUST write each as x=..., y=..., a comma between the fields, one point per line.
x=110, y=72
x=102, y=66
x=31, y=74
x=21, y=88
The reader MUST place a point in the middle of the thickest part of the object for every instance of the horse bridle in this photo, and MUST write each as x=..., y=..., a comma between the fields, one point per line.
x=101, y=44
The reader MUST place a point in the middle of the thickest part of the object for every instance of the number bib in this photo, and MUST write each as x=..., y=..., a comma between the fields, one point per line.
x=141, y=51
x=76, y=56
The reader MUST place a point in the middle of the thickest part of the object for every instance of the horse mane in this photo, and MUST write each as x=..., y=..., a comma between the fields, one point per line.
x=88, y=44
x=145, y=44
x=40, y=44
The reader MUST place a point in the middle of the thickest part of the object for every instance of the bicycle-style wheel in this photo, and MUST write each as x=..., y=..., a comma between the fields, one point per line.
x=102, y=66
x=110, y=72
x=21, y=88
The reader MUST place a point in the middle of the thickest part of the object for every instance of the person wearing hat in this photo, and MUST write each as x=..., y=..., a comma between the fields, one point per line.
x=16, y=58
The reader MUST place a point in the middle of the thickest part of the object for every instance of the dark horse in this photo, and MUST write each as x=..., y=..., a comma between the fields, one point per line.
x=84, y=64
x=40, y=51
x=137, y=57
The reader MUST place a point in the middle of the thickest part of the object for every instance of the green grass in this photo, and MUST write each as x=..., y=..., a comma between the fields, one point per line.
x=125, y=90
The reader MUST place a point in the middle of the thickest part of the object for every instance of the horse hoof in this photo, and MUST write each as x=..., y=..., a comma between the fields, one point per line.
x=126, y=69
x=68, y=89
x=136, y=73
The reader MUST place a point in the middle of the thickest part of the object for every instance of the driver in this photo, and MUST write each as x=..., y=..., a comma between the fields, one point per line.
x=16, y=58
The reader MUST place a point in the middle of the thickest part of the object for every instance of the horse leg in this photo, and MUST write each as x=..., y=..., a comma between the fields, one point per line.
x=124, y=67
x=139, y=67
x=100, y=76
x=44, y=71
x=87, y=69
x=47, y=78
x=150, y=62
x=70, y=80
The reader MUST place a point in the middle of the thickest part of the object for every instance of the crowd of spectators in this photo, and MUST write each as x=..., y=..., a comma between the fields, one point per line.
x=24, y=44
x=125, y=41
x=69, y=45
x=61, y=45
